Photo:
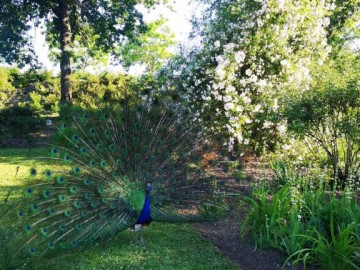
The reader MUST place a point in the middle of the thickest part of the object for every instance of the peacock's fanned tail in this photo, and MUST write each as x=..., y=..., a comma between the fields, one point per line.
x=111, y=153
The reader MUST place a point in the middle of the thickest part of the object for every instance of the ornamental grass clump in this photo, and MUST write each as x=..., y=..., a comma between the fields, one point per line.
x=314, y=227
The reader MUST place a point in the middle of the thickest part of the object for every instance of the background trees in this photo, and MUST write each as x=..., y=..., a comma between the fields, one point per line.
x=67, y=20
x=151, y=49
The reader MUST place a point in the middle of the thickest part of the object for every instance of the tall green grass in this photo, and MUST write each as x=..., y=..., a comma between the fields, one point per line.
x=310, y=226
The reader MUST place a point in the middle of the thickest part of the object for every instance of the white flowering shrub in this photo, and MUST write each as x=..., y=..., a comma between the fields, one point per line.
x=251, y=54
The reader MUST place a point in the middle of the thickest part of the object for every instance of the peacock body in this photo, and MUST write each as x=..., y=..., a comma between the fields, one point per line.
x=128, y=162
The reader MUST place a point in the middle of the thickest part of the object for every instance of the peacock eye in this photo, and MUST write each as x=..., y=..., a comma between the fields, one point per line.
x=109, y=161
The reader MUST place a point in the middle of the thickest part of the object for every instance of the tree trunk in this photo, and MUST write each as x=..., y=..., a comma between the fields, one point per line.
x=65, y=39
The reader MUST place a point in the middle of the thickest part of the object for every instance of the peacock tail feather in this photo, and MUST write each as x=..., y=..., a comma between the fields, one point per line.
x=112, y=152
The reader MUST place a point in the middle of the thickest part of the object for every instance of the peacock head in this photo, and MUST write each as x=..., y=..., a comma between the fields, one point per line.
x=149, y=188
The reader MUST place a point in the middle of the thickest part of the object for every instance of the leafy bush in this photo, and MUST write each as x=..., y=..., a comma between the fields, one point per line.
x=6, y=87
x=328, y=116
x=89, y=88
x=283, y=173
x=23, y=80
x=36, y=102
x=36, y=89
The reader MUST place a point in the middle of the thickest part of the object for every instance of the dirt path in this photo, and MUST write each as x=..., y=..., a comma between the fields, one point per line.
x=225, y=234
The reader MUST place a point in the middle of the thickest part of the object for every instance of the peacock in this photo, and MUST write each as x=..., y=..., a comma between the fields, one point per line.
x=128, y=162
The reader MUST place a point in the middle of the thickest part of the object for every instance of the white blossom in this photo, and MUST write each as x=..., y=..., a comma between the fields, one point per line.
x=229, y=47
x=248, y=72
x=285, y=63
x=286, y=147
x=267, y=124
x=240, y=57
x=229, y=106
x=276, y=105
x=281, y=3
x=227, y=98
x=282, y=129
x=257, y=108
x=230, y=89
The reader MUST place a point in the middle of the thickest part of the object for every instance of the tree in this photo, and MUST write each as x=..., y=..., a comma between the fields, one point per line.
x=328, y=116
x=252, y=53
x=151, y=49
x=67, y=20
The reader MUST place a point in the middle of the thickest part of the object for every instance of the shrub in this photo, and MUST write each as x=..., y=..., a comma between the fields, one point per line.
x=6, y=87
x=328, y=116
x=36, y=102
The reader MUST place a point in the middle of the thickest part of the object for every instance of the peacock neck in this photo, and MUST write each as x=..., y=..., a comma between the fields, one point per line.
x=145, y=214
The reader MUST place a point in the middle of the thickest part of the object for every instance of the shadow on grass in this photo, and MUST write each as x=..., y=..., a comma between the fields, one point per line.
x=166, y=246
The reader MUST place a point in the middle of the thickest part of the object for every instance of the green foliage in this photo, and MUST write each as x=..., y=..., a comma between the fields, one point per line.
x=283, y=173
x=267, y=219
x=36, y=102
x=13, y=26
x=6, y=86
x=342, y=28
x=89, y=88
x=23, y=80
x=311, y=227
x=328, y=115
x=38, y=90
x=91, y=23
x=341, y=251
x=150, y=49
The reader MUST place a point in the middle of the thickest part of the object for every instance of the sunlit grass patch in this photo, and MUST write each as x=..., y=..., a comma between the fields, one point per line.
x=15, y=165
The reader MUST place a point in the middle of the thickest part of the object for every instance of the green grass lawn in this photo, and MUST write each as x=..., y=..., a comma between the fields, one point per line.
x=167, y=246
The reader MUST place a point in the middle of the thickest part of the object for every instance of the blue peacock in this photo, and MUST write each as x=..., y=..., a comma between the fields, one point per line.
x=129, y=162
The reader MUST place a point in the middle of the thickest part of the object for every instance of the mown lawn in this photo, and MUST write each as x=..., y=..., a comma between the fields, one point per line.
x=15, y=165
x=166, y=246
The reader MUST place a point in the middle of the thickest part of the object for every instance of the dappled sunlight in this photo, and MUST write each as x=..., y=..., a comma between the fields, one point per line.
x=15, y=164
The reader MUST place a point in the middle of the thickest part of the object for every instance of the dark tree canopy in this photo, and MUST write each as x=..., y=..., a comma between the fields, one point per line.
x=112, y=21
